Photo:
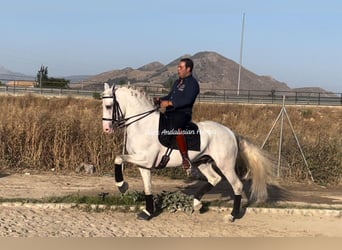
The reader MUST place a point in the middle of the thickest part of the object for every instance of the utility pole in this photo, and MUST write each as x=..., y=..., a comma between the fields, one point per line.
x=241, y=50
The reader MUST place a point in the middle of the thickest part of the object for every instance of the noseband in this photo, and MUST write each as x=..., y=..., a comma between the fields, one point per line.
x=118, y=119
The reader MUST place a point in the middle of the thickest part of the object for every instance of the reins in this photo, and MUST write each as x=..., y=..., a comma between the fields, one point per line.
x=118, y=119
x=123, y=123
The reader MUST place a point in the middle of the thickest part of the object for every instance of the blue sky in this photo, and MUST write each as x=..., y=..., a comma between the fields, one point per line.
x=294, y=41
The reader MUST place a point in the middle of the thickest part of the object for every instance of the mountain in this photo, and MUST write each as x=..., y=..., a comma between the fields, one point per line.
x=313, y=91
x=151, y=66
x=211, y=69
x=76, y=78
x=216, y=71
x=7, y=75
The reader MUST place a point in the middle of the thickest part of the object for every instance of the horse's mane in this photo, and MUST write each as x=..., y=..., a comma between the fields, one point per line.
x=138, y=92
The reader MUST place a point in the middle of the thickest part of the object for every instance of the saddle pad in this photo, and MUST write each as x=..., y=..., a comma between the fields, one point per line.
x=167, y=136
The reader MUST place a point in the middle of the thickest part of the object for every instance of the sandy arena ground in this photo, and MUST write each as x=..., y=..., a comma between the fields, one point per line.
x=51, y=220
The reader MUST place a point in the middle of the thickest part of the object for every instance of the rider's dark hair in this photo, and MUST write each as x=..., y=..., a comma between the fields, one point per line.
x=188, y=63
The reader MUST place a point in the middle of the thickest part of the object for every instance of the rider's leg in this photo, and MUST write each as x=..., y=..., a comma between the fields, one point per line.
x=179, y=120
x=183, y=149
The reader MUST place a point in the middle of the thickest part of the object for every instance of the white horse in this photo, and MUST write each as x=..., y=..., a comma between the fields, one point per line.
x=128, y=107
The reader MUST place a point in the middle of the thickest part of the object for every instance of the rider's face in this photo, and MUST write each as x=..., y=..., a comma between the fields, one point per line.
x=182, y=70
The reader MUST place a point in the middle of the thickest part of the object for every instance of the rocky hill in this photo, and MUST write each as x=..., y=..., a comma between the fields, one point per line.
x=6, y=74
x=212, y=70
x=216, y=71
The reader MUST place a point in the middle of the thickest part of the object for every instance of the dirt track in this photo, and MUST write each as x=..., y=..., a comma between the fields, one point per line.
x=31, y=220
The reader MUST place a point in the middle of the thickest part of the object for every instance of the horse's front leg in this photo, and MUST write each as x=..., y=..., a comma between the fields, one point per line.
x=119, y=180
x=150, y=209
x=118, y=174
x=138, y=159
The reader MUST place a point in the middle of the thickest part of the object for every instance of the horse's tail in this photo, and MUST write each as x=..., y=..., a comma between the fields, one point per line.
x=259, y=164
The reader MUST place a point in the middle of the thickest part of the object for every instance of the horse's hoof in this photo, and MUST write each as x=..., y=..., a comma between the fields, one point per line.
x=123, y=188
x=197, y=206
x=144, y=215
x=232, y=218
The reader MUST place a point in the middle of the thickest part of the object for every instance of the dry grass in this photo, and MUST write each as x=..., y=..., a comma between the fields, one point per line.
x=42, y=133
x=318, y=130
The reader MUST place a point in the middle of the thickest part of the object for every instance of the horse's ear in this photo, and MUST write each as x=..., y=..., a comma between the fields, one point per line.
x=106, y=86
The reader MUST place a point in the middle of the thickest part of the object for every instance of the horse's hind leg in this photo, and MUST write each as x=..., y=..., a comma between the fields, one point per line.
x=213, y=178
x=229, y=172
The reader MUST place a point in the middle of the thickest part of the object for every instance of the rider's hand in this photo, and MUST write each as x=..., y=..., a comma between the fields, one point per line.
x=156, y=101
x=165, y=103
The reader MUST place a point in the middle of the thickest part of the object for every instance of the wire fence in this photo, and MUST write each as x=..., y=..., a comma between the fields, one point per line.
x=206, y=95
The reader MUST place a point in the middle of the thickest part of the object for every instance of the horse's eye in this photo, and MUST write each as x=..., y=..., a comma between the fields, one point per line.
x=108, y=106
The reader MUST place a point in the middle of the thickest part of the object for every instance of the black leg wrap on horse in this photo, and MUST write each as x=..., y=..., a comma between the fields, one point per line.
x=203, y=190
x=236, y=206
x=118, y=173
x=148, y=212
x=149, y=203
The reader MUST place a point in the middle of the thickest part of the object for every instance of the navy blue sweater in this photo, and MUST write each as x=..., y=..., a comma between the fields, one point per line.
x=183, y=94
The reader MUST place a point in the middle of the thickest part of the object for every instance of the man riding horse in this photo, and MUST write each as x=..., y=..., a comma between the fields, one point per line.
x=179, y=103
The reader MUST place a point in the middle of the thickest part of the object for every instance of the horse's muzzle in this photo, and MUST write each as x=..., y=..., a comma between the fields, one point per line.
x=107, y=127
x=108, y=130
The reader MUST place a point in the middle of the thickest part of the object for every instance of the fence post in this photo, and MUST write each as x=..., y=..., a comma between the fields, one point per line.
x=40, y=81
x=296, y=97
x=273, y=93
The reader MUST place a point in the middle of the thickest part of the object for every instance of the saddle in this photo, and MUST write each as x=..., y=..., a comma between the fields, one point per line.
x=167, y=136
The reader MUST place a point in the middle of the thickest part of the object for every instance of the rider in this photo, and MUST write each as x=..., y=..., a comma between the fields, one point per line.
x=179, y=103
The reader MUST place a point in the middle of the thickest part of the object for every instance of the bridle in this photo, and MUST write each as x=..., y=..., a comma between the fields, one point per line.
x=118, y=119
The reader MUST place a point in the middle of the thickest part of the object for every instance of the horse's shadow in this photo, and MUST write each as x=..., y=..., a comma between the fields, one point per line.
x=223, y=192
x=2, y=175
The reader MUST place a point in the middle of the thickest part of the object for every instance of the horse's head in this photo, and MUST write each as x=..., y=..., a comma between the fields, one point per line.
x=119, y=102
x=112, y=114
